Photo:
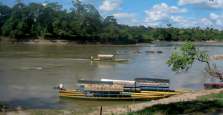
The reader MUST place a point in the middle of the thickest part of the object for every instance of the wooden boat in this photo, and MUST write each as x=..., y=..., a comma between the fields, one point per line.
x=213, y=85
x=144, y=95
x=107, y=58
x=107, y=89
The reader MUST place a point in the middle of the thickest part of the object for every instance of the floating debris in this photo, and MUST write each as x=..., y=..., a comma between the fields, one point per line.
x=31, y=68
x=159, y=52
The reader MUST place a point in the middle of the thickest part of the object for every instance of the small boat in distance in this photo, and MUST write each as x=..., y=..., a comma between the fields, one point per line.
x=107, y=58
x=216, y=85
x=108, y=89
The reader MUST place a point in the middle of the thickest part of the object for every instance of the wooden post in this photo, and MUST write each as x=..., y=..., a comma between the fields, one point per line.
x=135, y=86
x=101, y=111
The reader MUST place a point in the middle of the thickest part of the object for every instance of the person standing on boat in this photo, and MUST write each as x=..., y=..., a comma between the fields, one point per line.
x=60, y=87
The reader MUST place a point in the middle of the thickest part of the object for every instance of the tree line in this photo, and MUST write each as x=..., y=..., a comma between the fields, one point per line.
x=84, y=24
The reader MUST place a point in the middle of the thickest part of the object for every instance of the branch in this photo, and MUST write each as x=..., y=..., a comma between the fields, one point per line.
x=202, y=60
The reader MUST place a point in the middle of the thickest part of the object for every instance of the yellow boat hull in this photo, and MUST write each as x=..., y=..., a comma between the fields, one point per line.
x=144, y=95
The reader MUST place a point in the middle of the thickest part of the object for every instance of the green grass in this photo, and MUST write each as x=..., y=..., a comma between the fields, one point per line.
x=217, y=97
x=3, y=106
x=211, y=104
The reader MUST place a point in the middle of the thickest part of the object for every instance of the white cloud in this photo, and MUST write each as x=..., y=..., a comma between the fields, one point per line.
x=180, y=20
x=183, y=2
x=212, y=20
x=126, y=18
x=213, y=16
x=82, y=0
x=209, y=3
x=123, y=15
x=216, y=20
x=110, y=5
x=161, y=12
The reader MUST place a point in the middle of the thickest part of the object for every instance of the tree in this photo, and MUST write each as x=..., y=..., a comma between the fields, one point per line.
x=84, y=24
x=110, y=20
x=5, y=12
x=16, y=24
x=184, y=58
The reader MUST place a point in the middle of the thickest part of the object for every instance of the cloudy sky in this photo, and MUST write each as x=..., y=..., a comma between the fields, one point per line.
x=179, y=13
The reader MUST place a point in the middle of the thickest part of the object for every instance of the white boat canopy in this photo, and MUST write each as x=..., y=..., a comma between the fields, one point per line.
x=119, y=81
x=105, y=55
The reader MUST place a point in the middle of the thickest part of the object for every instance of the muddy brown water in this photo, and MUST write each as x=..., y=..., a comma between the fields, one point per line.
x=28, y=73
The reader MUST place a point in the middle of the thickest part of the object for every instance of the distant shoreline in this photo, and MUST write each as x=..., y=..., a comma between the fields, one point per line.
x=40, y=41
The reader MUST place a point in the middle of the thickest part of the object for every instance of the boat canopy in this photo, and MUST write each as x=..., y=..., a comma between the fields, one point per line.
x=119, y=81
x=152, y=80
x=94, y=82
x=105, y=56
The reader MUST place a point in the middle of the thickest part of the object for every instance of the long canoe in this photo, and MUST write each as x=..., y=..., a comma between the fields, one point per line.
x=213, y=85
x=144, y=95
x=112, y=60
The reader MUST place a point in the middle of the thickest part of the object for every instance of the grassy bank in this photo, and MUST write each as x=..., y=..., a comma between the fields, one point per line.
x=4, y=107
x=210, y=104
x=192, y=103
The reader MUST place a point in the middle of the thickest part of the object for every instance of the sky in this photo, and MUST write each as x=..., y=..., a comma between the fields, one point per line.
x=154, y=13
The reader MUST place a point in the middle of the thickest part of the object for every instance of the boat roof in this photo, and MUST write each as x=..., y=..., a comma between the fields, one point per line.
x=94, y=82
x=111, y=81
x=120, y=81
x=105, y=55
x=152, y=80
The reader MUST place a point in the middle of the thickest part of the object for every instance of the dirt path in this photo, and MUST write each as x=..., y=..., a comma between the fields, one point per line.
x=173, y=99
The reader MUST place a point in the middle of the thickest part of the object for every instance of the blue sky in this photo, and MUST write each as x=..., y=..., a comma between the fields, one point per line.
x=155, y=13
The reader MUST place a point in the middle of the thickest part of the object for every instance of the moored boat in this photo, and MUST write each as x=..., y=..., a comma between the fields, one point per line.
x=107, y=89
x=75, y=94
x=213, y=85
x=107, y=58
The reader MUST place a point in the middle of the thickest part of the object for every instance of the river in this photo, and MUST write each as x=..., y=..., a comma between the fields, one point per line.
x=28, y=73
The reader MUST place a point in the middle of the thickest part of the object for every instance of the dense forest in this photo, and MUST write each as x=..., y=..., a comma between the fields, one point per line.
x=84, y=24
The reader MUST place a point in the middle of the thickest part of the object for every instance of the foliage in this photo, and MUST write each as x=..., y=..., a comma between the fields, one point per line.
x=218, y=97
x=183, y=59
x=84, y=24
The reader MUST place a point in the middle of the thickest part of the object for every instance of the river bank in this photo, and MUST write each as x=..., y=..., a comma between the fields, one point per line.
x=42, y=41
x=211, y=100
x=185, y=97
x=34, y=41
x=205, y=105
